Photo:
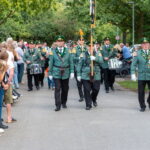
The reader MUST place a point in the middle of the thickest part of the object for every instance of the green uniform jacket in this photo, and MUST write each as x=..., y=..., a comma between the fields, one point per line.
x=142, y=63
x=33, y=56
x=109, y=52
x=43, y=55
x=84, y=70
x=58, y=62
x=76, y=52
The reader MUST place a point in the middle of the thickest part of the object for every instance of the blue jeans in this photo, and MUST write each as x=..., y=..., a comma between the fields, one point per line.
x=20, y=72
x=15, y=78
x=1, y=101
x=51, y=83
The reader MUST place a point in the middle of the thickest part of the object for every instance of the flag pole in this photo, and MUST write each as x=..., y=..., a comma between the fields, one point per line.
x=92, y=14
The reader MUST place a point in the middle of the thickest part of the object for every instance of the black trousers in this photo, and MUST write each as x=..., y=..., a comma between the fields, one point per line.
x=91, y=90
x=141, y=93
x=29, y=78
x=109, y=78
x=41, y=77
x=61, y=91
x=80, y=87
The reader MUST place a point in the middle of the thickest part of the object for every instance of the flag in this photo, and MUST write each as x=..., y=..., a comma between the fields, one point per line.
x=92, y=10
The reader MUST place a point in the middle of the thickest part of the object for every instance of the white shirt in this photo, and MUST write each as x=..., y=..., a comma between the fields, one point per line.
x=10, y=61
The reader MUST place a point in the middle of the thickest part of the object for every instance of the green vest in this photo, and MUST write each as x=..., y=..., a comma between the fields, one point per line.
x=141, y=62
x=60, y=64
x=84, y=68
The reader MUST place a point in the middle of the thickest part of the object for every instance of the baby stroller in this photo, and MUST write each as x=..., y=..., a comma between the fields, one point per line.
x=124, y=70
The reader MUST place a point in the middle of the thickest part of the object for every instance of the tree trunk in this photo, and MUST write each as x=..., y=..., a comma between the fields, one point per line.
x=139, y=29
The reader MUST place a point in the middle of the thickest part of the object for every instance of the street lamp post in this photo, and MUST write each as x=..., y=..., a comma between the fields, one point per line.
x=133, y=22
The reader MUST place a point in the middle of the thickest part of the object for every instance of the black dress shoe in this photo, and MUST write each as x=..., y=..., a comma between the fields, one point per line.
x=64, y=106
x=81, y=100
x=37, y=87
x=3, y=126
x=88, y=108
x=30, y=89
x=142, y=109
x=148, y=105
x=107, y=91
x=112, y=88
x=95, y=104
x=42, y=84
x=57, y=109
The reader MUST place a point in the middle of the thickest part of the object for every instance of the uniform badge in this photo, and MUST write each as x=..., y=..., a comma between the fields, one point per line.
x=81, y=55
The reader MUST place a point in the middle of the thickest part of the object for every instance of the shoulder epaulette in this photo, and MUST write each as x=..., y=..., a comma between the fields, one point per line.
x=73, y=50
x=44, y=50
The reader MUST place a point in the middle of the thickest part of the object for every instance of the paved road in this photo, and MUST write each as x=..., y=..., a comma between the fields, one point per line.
x=115, y=125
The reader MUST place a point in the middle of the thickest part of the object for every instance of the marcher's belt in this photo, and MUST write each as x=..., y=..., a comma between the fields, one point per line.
x=61, y=67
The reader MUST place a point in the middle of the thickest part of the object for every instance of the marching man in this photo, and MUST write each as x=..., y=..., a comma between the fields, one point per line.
x=141, y=62
x=60, y=69
x=91, y=84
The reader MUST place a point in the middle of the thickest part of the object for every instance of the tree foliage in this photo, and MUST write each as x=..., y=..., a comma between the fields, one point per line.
x=44, y=19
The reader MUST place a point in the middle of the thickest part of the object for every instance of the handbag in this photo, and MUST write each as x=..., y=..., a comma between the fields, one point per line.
x=114, y=63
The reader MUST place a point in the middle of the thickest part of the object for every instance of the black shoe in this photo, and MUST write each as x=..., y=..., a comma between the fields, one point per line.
x=95, y=104
x=107, y=91
x=88, y=108
x=30, y=89
x=42, y=84
x=81, y=100
x=37, y=87
x=57, y=109
x=3, y=126
x=148, y=105
x=142, y=109
x=112, y=88
x=64, y=106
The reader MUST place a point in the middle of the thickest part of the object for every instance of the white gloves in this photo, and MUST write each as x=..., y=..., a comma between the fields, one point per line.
x=133, y=77
x=50, y=77
x=71, y=75
x=92, y=58
x=79, y=78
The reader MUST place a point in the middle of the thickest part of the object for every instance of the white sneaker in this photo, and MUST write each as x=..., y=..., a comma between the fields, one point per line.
x=14, y=97
x=2, y=130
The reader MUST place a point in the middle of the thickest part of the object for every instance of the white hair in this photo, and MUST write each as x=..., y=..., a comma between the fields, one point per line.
x=10, y=39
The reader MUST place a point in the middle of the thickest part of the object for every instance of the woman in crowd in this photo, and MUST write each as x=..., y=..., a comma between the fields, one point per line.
x=3, y=86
